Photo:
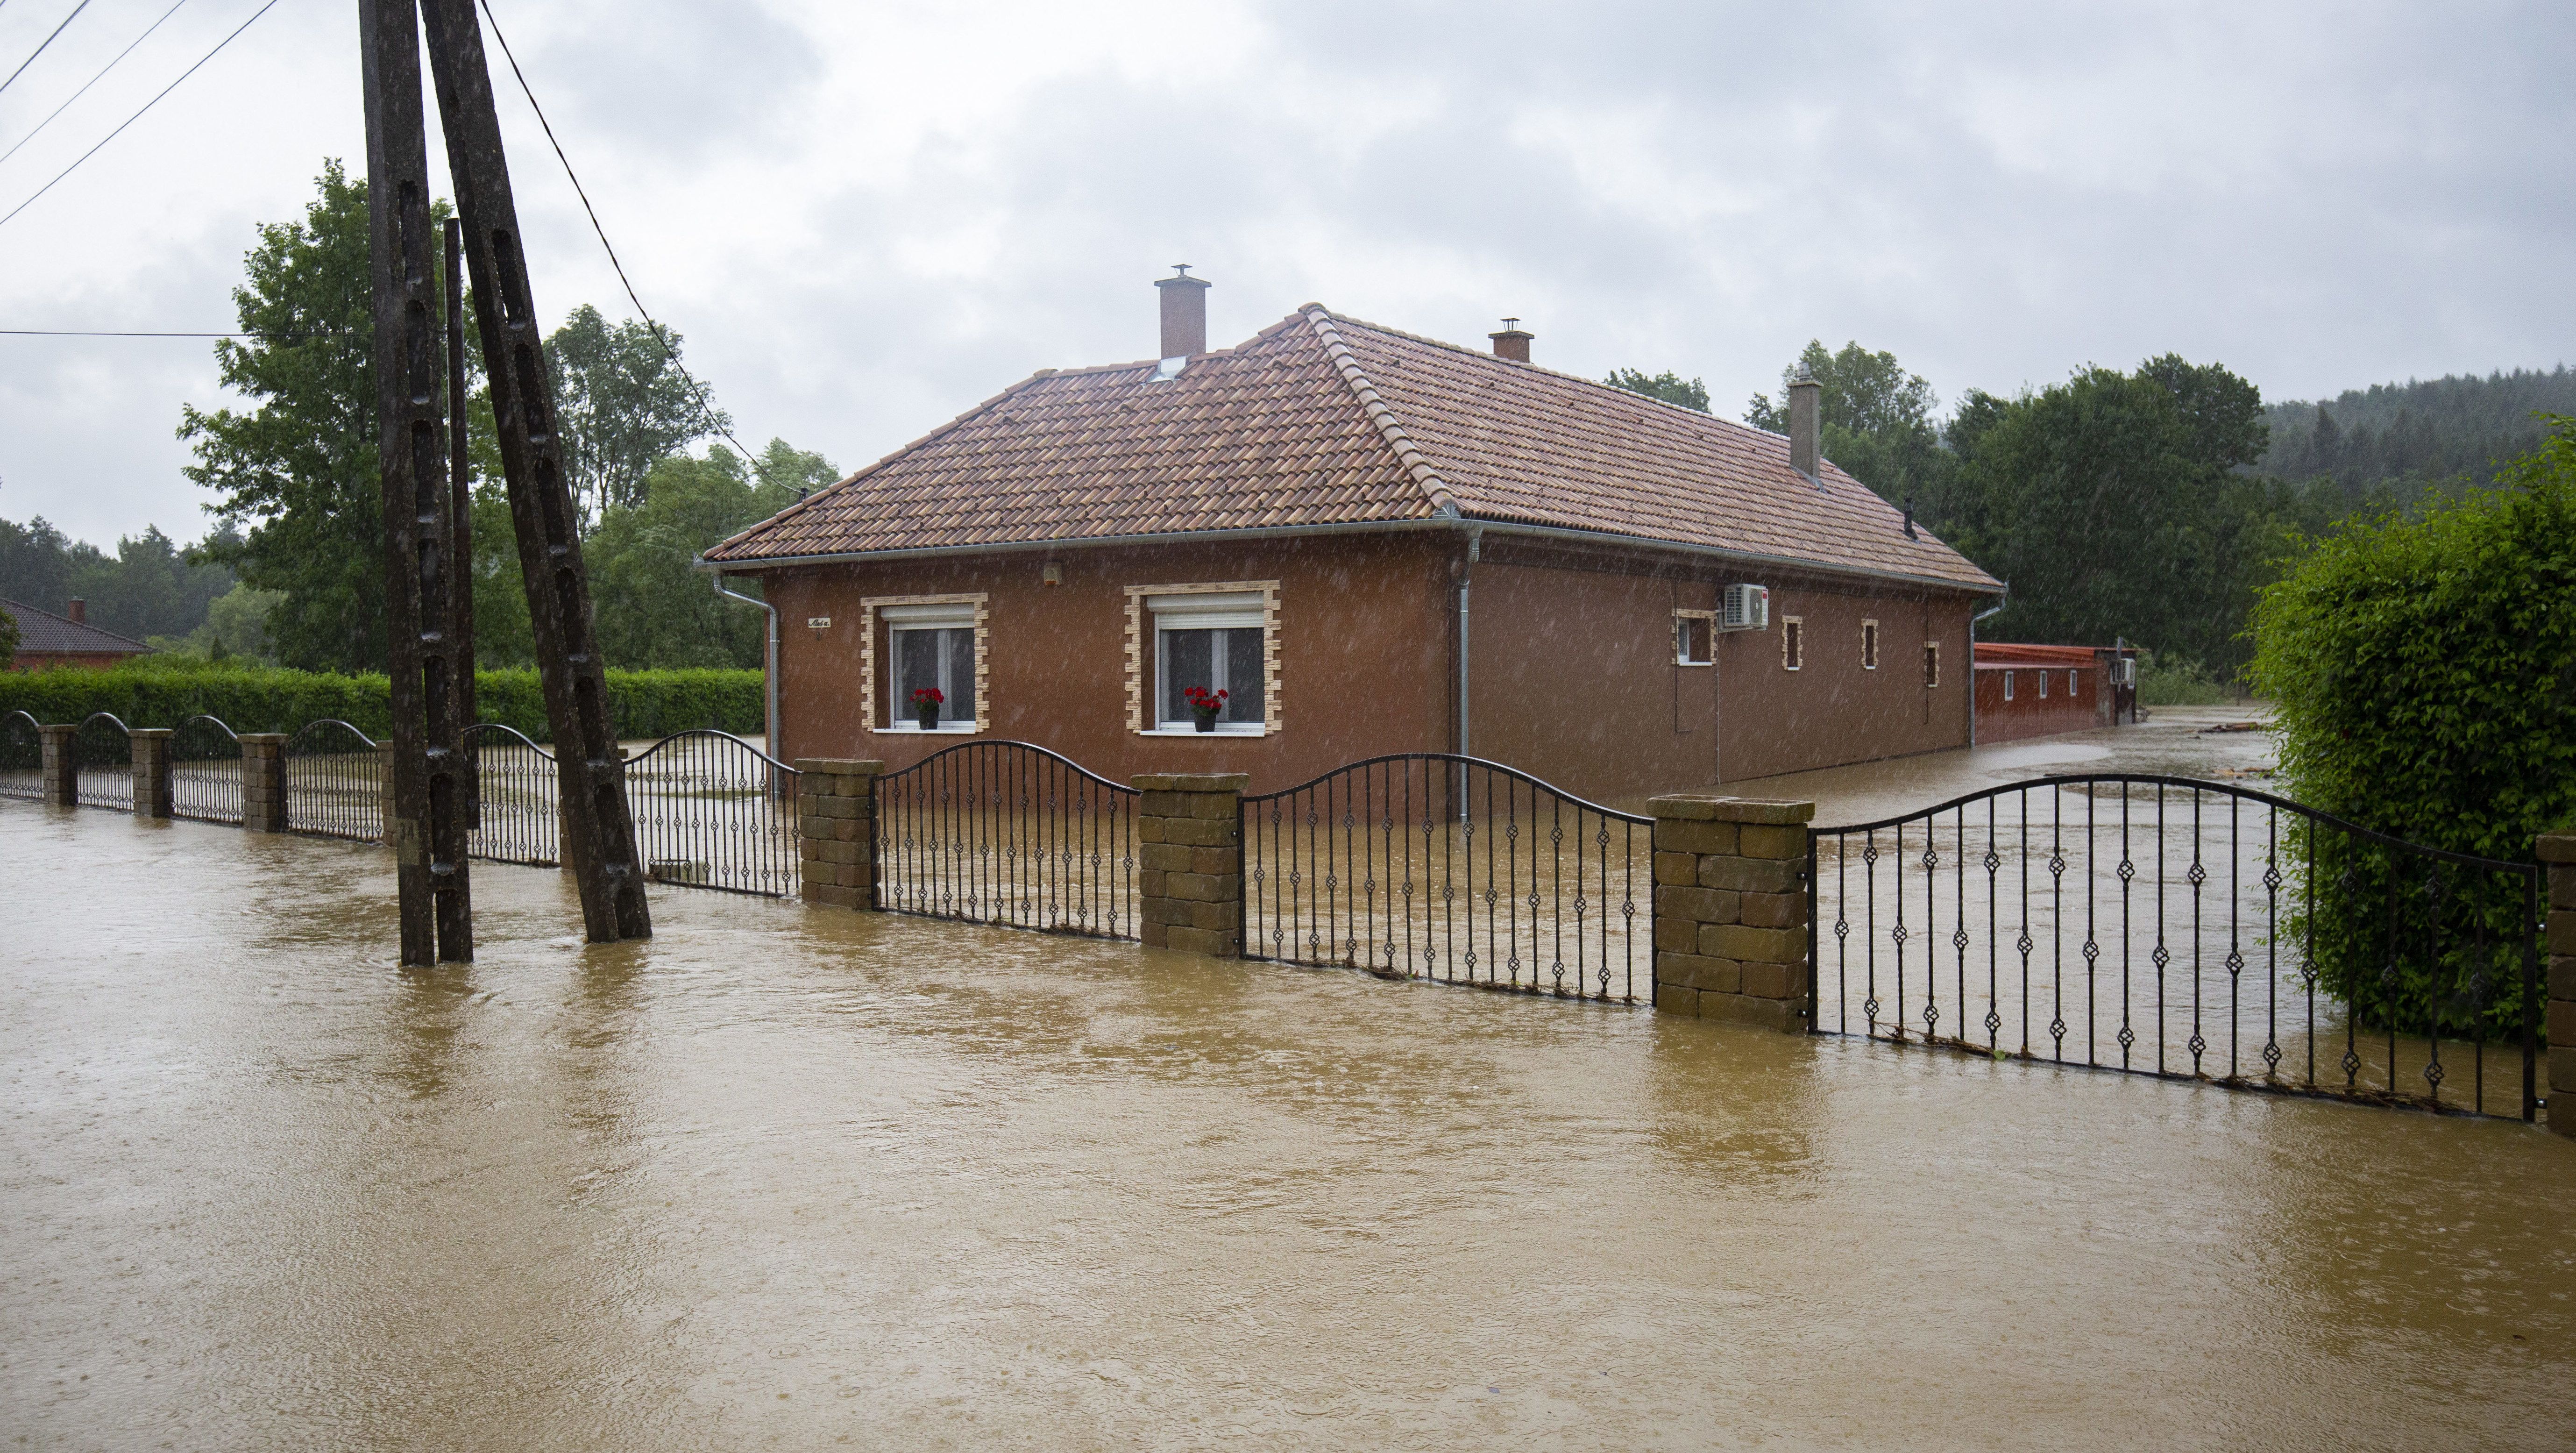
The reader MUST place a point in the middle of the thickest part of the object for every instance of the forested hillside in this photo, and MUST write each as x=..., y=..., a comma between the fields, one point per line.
x=2404, y=436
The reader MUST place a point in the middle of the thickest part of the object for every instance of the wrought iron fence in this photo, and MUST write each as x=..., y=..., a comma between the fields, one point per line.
x=205, y=771
x=2184, y=929
x=713, y=811
x=335, y=782
x=513, y=813
x=103, y=755
x=1455, y=869
x=22, y=757
x=1008, y=833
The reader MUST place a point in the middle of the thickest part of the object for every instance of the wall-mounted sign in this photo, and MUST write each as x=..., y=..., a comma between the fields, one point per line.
x=819, y=623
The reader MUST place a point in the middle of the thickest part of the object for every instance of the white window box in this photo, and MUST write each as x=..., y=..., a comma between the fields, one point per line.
x=1223, y=729
x=944, y=729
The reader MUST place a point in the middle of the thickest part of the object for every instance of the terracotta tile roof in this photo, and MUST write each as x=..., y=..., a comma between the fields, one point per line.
x=41, y=632
x=1326, y=420
x=1998, y=655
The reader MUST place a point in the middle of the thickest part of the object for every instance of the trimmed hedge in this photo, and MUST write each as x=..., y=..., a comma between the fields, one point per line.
x=153, y=692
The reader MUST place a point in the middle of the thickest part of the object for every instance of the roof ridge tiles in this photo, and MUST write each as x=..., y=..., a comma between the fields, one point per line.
x=1416, y=464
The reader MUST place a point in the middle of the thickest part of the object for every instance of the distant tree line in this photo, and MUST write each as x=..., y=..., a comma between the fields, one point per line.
x=150, y=587
x=2155, y=504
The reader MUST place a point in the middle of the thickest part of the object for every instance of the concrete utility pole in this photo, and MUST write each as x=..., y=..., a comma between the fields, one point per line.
x=598, y=831
x=424, y=577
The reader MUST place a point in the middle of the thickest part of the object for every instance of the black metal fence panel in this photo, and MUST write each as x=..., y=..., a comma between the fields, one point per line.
x=1008, y=833
x=205, y=771
x=1454, y=869
x=335, y=782
x=103, y=754
x=713, y=811
x=2183, y=929
x=512, y=817
x=22, y=757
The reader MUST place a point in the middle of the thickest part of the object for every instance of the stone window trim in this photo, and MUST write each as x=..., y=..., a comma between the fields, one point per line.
x=1682, y=637
x=1931, y=665
x=1793, y=642
x=1140, y=646
x=1869, y=645
x=880, y=718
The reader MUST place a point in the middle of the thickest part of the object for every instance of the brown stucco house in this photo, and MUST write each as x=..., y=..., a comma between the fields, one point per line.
x=1376, y=543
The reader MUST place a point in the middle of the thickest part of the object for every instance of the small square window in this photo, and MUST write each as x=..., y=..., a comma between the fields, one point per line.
x=930, y=646
x=1211, y=642
x=1869, y=645
x=1694, y=638
x=1931, y=663
x=1793, y=633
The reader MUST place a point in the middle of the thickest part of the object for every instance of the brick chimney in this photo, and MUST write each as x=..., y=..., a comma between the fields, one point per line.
x=1513, y=342
x=1806, y=401
x=78, y=610
x=1184, y=313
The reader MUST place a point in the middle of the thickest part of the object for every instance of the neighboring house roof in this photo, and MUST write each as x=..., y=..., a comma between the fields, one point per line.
x=43, y=633
x=1996, y=655
x=1323, y=420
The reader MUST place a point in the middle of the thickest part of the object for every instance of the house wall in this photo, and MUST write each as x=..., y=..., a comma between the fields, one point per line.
x=2026, y=715
x=1574, y=679
x=1364, y=654
x=87, y=661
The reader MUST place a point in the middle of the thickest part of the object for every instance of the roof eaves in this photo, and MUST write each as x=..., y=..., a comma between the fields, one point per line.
x=1416, y=464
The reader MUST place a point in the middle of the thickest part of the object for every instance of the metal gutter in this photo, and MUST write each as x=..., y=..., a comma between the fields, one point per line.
x=2001, y=601
x=769, y=675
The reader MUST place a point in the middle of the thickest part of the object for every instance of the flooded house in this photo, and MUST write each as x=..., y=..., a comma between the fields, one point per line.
x=1353, y=541
x=2037, y=691
x=68, y=639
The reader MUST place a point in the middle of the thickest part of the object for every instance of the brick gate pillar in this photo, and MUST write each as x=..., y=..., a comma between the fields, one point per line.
x=1189, y=862
x=62, y=769
x=2558, y=1079
x=1731, y=909
x=836, y=816
x=264, y=781
x=151, y=770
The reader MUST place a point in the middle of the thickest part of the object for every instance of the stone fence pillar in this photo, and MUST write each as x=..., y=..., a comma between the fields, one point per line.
x=264, y=781
x=62, y=769
x=836, y=813
x=1189, y=862
x=2558, y=855
x=151, y=770
x=1731, y=909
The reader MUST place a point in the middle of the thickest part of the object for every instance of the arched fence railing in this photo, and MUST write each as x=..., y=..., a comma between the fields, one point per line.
x=103, y=755
x=22, y=757
x=514, y=817
x=713, y=811
x=335, y=782
x=1453, y=869
x=1008, y=833
x=205, y=771
x=2185, y=929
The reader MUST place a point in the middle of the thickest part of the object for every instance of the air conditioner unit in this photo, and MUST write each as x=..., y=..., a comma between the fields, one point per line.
x=1746, y=608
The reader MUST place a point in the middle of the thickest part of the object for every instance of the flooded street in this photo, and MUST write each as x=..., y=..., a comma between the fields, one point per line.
x=791, y=1178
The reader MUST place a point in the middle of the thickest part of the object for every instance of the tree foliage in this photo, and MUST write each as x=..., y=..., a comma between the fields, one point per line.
x=1875, y=421
x=1669, y=386
x=2388, y=441
x=8, y=639
x=150, y=586
x=2423, y=669
x=623, y=405
x=655, y=610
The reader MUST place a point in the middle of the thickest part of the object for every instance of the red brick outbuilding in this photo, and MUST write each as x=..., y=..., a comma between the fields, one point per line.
x=46, y=639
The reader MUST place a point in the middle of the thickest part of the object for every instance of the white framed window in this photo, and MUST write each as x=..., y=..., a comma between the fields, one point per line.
x=1207, y=640
x=938, y=642
x=1869, y=645
x=2008, y=676
x=2070, y=684
x=2043, y=686
x=1694, y=637
x=1931, y=664
x=1793, y=642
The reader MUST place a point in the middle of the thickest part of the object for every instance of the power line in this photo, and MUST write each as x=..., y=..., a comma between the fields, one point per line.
x=92, y=81
x=138, y=333
x=138, y=115
x=40, y=50
x=668, y=353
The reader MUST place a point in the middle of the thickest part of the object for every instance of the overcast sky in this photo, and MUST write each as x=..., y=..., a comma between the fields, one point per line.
x=866, y=217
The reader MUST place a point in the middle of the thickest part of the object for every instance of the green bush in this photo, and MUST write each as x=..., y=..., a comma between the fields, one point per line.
x=160, y=690
x=2423, y=671
x=2166, y=680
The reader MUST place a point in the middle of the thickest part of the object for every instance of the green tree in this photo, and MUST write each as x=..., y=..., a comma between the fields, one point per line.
x=299, y=469
x=8, y=639
x=624, y=406
x=1669, y=386
x=1875, y=423
x=655, y=610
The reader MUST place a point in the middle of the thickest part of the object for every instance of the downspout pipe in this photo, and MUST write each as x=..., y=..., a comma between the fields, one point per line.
x=1466, y=576
x=2001, y=601
x=769, y=673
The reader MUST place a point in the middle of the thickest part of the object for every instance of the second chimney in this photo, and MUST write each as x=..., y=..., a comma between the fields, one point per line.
x=1184, y=313
x=1806, y=399
x=78, y=610
x=1513, y=342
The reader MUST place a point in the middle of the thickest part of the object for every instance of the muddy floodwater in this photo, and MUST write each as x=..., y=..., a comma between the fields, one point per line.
x=789, y=1178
